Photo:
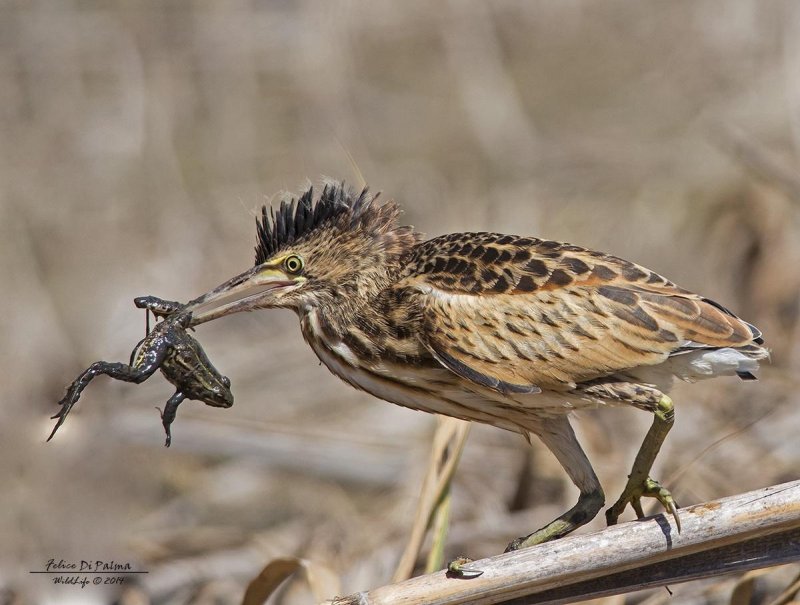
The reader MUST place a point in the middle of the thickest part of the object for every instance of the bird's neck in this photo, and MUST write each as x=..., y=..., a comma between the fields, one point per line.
x=368, y=320
x=339, y=313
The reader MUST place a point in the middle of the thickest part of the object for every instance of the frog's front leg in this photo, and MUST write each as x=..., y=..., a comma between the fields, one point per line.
x=140, y=372
x=158, y=306
x=169, y=413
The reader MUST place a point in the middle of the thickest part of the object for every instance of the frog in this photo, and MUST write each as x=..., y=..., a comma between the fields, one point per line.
x=168, y=347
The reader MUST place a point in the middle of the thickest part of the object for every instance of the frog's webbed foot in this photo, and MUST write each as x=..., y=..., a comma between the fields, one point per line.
x=66, y=405
x=169, y=413
x=74, y=393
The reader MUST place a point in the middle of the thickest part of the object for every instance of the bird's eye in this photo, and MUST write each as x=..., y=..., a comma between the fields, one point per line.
x=293, y=264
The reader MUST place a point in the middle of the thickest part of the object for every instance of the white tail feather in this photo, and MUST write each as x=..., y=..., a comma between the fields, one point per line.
x=699, y=365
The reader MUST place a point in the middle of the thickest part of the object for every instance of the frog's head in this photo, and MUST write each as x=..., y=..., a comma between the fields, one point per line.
x=219, y=398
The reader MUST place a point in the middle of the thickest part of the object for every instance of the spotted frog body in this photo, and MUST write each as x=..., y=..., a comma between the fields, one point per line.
x=170, y=348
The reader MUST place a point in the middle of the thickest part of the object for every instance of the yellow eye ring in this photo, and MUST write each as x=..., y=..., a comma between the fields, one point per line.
x=293, y=264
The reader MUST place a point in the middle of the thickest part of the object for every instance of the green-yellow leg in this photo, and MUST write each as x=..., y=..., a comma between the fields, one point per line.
x=559, y=438
x=585, y=509
x=639, y=482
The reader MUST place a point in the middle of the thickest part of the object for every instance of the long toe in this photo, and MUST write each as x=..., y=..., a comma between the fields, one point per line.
x=613, y=513
x=649, y=488
x=455, y=569
x=654, y=489
x=516, y=544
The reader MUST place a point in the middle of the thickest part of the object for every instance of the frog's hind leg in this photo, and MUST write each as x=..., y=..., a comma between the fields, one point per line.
x=169, y=413
x=118, y=371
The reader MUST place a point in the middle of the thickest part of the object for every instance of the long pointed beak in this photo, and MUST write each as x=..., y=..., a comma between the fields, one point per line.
x=245, y=292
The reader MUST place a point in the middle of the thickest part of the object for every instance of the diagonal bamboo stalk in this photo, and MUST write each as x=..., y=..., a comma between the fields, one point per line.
x=747, y=531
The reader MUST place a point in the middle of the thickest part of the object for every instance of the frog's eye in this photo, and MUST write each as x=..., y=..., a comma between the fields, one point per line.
x=293, y=264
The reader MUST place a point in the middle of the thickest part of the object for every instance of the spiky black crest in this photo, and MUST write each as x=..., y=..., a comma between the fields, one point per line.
x=298, y=218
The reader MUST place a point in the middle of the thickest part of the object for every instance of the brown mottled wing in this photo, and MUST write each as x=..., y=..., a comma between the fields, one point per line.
x=517, y=314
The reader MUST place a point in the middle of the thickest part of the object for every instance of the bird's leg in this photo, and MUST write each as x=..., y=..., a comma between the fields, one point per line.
x=559, y=437
x=169, y=413
x=639, y=482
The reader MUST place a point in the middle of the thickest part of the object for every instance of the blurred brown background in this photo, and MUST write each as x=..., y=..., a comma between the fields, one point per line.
x=138, y=140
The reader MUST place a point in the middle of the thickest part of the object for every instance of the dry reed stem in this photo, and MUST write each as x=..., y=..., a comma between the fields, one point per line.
x=748, y=531
x=448, y=443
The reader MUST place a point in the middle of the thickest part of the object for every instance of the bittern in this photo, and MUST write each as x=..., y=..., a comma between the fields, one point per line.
x=511, y=331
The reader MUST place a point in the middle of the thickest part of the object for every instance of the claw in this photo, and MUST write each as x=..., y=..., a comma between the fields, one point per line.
x=650, y=488
x=673, y=510
x=654, y=489
x=455, y=569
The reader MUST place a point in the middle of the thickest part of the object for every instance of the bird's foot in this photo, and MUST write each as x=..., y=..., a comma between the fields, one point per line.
x=649, y=488
x=585, y=509
x=455, y=569
x=549, y=532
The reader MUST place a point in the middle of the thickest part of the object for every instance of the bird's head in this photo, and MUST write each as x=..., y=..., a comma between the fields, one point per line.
x=314, y=252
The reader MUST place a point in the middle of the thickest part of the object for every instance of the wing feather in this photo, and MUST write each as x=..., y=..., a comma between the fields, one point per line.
x=513, y=313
